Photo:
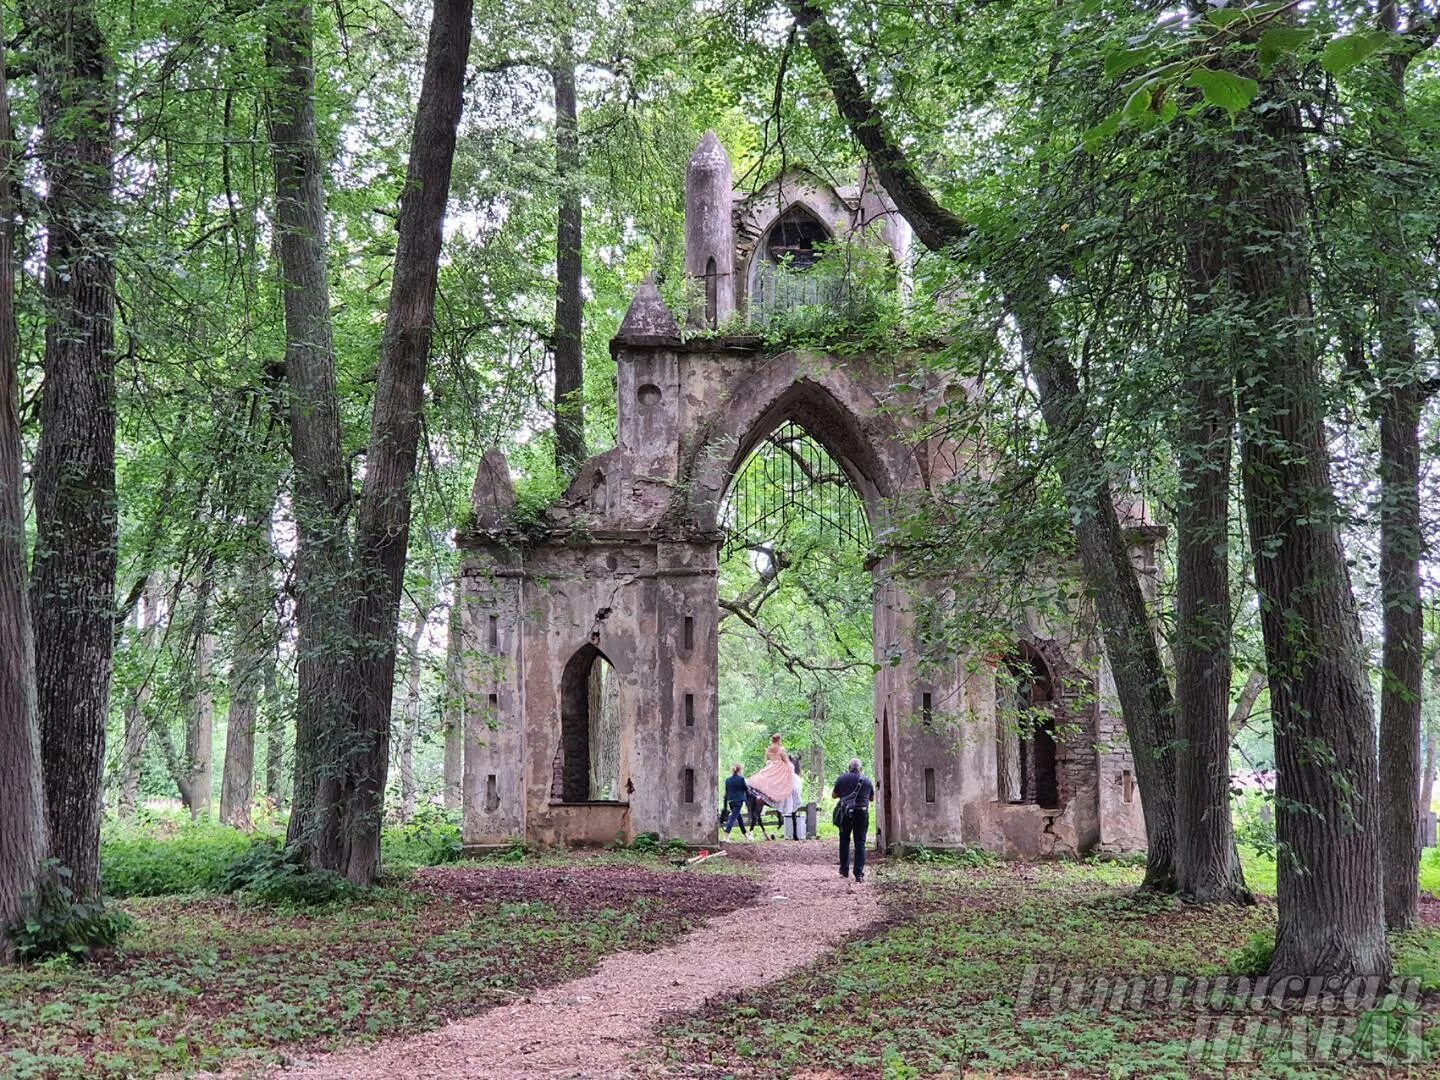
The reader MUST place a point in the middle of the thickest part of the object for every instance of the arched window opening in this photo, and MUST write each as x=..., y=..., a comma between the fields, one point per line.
x=712, y=293
x=587, y=767
x=1027, y=754
x=794, y=240
x=779, y=278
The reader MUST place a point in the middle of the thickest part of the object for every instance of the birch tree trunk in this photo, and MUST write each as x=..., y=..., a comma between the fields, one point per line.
x=137, y=709
x=200, y=719
x=73, y=571
x=24, y=839
x=274, y=736
x=411, y=721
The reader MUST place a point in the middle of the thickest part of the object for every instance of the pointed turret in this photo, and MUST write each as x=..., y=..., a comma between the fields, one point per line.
x=709, y=233
x=493, y=496
x=648, y=319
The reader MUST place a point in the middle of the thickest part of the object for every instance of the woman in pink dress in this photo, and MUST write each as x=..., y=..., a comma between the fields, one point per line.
x=778, y=782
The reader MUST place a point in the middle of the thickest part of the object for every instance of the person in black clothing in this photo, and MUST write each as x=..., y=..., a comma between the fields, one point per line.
x=856, y=792
x=736, y=792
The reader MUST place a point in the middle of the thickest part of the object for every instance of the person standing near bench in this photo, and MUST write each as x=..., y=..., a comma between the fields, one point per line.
x=855, y=793
x=736, y=792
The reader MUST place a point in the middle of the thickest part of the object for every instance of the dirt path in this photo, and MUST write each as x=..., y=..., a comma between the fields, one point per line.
x=598, y=1027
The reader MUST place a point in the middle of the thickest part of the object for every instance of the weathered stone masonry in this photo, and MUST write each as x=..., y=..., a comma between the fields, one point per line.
x=622, y=572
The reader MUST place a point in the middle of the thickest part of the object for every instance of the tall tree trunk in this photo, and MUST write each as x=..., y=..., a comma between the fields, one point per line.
x=1401, y=540
x=569, y=306
x=1207, y=865
x=1432, y=761
x=200, y=720
x=73, y=588
x=1331, y=917
x=24, y=839
x=321, y=486
x=411, y=721
x=137, y=709
x=1130, y=645
x=249, y=653
x=454, y=707
x=274, y=736
x=383, y=526
x=1139, y=672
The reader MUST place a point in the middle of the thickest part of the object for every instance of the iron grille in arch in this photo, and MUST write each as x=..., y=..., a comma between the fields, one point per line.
x=790, y=477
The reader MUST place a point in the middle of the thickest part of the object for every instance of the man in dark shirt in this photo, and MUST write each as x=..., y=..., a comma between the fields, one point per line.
x=735, y=792
x=854, y=791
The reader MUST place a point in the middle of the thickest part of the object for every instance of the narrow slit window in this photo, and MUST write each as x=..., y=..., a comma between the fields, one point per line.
x=689, y=785
x=1128, y=783
x=689, y=710
x=492, y=794
x=493, y=638
x=688, y=634
x=926, y=708
x=492, y=711
x=929, y=785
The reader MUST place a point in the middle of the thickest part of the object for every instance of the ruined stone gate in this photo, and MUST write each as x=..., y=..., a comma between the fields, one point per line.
x=591, y=638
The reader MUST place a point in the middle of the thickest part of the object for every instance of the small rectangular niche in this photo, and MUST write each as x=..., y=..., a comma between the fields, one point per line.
x=689, y=710
x=689, y=785
x=492, y=711
x=1127, y=784
x=929, y=785
x=927, y=710
x=687, y=634
x=492, y=638
x=492, y=794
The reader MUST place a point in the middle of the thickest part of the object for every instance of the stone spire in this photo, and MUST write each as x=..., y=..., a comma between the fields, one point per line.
x=709, y=233
x=648, y=319
x=493, y=496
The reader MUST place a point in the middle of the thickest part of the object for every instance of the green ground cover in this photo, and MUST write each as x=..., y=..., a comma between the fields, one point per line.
x=207, y=982
x=933, y=990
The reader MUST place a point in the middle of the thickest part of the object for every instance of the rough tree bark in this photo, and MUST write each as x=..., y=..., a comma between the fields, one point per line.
x=1207, y=865
x=454, y=709
x=73, y=571
x=569, y=306
x=1130, y=645
x=1331, y=916
x=253, y=644
x=1400, y=398
x=383, y=526
x=24, y=840
x=321, y=486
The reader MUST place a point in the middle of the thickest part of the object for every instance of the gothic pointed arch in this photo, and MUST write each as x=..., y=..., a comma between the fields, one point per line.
x=818, y=394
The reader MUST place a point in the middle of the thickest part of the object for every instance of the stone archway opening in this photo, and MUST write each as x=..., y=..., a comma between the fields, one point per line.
x=587, y=763
x=795, y=601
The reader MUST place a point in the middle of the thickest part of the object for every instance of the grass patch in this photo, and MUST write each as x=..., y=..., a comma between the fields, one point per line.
x=933, y=991
x=208, y=983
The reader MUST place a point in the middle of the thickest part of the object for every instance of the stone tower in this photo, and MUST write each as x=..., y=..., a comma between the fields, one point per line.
x=709, y=234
